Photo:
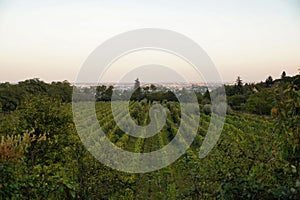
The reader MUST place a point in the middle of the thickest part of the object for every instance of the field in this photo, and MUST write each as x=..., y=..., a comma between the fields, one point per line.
x=244, y=156
x=247, y=162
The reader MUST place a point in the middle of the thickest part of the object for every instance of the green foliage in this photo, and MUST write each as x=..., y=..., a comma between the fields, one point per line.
x=269, y=81
x=206, y=95
x=287, y=110
x=261, y=102
x=238, y=86
x=104, y=93
x=256, y=157
x=246, y=163
x=153, y=87
x=11, y=95
x=283, y=75
x=137, y=84
x=207, y=109
x=44, y=115
x=237, y=102
x=60, y=90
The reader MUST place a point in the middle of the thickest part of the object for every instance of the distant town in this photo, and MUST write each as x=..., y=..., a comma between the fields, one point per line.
x=198, y=87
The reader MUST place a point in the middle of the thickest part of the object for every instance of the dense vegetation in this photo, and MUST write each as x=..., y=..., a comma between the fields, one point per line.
x=12, y=95
x=257, y=156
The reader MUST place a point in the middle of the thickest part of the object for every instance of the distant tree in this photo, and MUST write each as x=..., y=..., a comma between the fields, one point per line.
x=248, y=89
x=10, y=96
x=206, y=94
x=170, y=96
x=239, y=82
x=34, y=86
x=104, y=93
x=199, y=97
x=230, y=90
x=137, y=84
x=100, y=92
x=206, y=97
x=137, y=94
x=146, y=89
x=160, y=96
x=207, y=109
x=283, y=75
x=237, y=101
x=238, y=86
x=269, y=81
x=153, y=87
x=108, y=93
x=61, y=90
x=261, y=102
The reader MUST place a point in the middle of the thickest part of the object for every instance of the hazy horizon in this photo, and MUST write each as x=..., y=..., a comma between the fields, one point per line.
x=50, y=40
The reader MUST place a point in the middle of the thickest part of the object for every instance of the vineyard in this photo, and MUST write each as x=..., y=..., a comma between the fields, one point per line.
x=243, y=163
x=150, y=100
x=247, y=162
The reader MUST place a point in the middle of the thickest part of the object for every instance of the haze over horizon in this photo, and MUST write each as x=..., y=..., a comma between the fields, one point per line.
x=50, y=40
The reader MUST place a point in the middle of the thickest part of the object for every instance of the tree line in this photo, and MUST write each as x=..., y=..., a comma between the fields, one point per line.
x=12, y=95
x=258, y=98
x=254, y=98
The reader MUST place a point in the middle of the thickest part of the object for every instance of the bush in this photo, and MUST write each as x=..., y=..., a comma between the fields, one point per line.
x=260, y=103
x=207, y=109
x=237, y=101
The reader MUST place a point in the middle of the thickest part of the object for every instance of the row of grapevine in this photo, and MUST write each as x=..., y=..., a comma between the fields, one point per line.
x=246, y=161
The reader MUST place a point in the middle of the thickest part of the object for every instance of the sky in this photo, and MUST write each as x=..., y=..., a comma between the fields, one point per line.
x=51, y=40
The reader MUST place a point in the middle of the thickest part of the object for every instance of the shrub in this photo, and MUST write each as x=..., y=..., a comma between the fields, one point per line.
x=207, y=109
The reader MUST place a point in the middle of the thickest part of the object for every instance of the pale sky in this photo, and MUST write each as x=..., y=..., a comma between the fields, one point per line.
x=51, y=39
